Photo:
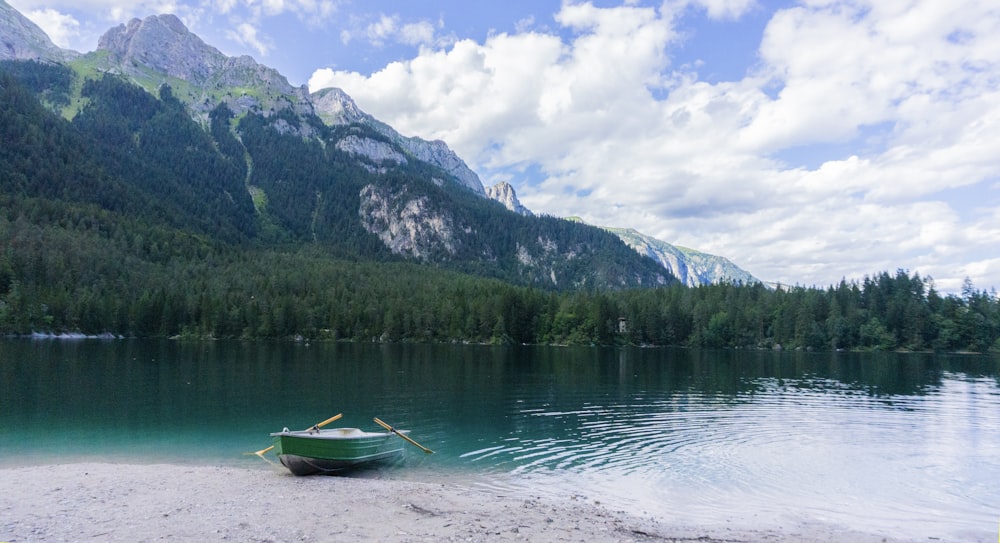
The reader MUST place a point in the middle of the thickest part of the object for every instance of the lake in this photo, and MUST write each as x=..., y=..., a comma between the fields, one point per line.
x=906, y=445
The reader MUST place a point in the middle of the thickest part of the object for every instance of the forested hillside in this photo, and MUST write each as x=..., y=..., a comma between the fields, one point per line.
x=77, y=270
x=281, y=177
x=131, y=219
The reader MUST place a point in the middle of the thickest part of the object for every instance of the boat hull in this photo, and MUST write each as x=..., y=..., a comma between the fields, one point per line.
x=334, y=451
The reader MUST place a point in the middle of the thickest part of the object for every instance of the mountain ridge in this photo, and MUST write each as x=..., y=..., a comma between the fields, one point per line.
x=164, y=44
x=159, y=50
x=270, y=177
x=337, y=108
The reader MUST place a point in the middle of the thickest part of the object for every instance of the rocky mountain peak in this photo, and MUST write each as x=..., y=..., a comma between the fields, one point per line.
x=504, y=193
x=22, y=39
x=335, y=107
x=163, y=43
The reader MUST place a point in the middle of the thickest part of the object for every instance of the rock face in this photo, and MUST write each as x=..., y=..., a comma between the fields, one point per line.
x=377, y=151
x=504, y=193
x=161, y=50
x=22, y=39
x=163, y=44
x=693, y=268
x=407, y=226
x=335, y=107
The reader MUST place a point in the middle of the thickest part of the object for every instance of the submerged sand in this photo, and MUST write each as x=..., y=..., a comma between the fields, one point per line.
x=114, y=502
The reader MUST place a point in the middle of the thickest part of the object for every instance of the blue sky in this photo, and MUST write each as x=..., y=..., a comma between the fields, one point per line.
x=806, y=140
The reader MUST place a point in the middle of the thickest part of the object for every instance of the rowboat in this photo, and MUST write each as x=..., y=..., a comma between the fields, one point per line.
x=315, y=450
x=318, y=451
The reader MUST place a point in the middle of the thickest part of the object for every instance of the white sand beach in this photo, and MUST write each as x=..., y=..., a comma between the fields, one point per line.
x=115, y=502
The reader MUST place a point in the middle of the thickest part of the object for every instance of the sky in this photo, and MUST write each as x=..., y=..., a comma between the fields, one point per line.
x=808, y=141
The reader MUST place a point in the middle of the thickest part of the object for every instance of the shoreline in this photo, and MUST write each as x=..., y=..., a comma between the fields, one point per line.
x=136, y=502
x=110, y=336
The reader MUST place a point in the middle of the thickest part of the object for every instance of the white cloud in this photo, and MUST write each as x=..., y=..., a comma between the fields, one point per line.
x=99, y=15
x=118, y=11
x=304, y=9
x=274, y=7
x=246, y=34
x=100, y=5
x=383, y=29
x=391, y=28
x=224, y=6
x=61, y=28
x=420, y=33
x=524, y=25
x=725, y=9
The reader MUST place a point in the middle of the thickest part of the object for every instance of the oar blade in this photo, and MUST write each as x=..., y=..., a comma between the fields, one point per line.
x=264, y=451
x=402, y=435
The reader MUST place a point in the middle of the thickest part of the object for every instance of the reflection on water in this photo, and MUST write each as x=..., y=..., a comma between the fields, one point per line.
x=903, y=444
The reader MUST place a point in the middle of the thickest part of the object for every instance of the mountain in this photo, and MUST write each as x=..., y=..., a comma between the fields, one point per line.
x=336, y=108
x=504, y=193
x=692, y=268
x=224, y=148
x=22, y=39
x=160, y=50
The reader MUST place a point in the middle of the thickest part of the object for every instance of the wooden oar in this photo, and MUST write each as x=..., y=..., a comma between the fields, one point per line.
x=402, y=435
x=262, y=452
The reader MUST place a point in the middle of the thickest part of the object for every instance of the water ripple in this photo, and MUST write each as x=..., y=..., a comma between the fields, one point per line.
x=843, y=450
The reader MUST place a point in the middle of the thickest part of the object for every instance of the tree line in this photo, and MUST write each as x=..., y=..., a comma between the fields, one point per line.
x=79, y=271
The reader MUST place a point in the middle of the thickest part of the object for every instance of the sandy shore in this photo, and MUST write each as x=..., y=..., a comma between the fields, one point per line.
x=113, y=502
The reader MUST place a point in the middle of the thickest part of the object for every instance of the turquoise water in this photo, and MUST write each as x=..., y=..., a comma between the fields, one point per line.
x=903, y=445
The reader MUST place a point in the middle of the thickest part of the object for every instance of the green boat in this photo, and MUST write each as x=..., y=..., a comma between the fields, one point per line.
x=318, y=451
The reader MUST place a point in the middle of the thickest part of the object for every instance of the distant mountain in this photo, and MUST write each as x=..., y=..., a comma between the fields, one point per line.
x=692, y=268
x=224, y=147
x=22, y=39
